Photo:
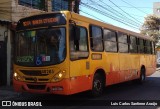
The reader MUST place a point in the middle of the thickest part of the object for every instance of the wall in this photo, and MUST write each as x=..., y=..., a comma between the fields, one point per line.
x=5, y=10
x=19, y=11
x=3, y=28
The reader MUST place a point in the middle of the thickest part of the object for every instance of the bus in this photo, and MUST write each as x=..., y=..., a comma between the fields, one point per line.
x=66, y=53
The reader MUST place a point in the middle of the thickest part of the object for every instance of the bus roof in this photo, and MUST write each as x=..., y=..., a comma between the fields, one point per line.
x=76, y=16
x=108, y=26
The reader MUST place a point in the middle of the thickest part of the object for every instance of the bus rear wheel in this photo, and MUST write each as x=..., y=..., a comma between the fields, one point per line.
x=142, y=75
x=98, y=85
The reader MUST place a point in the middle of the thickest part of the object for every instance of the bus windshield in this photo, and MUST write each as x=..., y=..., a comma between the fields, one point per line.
x=40, y=47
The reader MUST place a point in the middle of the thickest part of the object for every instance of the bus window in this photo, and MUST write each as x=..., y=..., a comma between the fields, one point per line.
x=147, y=47
x=133, y=44
x=153, y=48
x=150, y=43
x=110, y=42
x=78, y=47
x=96, y=38
x=56, y=44
x=141, y=46
x=40, y=47
x=123, y=43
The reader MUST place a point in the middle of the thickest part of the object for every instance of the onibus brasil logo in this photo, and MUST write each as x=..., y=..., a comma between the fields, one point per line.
x=18, y=103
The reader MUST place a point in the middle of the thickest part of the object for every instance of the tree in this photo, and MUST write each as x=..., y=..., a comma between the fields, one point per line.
x=151, y=28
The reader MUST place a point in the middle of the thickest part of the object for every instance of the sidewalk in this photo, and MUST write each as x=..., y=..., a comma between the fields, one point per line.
x=7, y=92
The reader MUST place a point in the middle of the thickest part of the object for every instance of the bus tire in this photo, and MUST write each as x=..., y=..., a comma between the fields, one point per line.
x=97, y=86
x=142, y=75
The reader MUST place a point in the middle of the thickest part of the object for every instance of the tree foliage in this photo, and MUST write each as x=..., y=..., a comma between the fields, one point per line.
x=151, y=27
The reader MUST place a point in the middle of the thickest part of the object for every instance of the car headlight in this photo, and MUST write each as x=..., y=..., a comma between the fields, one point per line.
x=58, y=77
x=16, y=76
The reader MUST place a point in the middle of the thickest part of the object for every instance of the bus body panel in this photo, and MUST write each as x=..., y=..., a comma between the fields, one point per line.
x=48, y=87
x=112, y=68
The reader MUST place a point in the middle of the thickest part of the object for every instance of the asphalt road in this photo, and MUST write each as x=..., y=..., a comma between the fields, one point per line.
x=125, y=93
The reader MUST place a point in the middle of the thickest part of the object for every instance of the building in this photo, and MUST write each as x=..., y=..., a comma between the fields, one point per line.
x=10, y=12
x=156, y=8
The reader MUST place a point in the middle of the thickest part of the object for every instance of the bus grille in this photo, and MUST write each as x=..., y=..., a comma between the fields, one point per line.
x=36, y=87
x=33, y=73
x=37, y=80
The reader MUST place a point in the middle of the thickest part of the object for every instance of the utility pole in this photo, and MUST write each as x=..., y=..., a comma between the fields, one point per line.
x=76, y=6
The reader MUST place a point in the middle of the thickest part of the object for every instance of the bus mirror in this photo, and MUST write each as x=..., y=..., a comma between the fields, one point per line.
x=76, y=36
x=75, y=30
x=77, y=33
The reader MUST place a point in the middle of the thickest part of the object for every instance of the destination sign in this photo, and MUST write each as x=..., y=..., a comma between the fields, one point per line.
x=43, y=20
x=40, y=21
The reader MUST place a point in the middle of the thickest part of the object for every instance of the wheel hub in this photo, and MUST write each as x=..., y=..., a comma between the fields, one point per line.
x=97, y=85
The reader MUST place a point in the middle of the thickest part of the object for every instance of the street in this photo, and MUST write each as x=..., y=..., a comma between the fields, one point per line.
x=124, y=92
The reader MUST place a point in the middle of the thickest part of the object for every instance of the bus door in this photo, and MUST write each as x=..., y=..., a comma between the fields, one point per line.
x=79, y=56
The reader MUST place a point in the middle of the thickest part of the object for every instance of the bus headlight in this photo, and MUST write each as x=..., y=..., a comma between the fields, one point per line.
x=58, y=77
x=16, y=76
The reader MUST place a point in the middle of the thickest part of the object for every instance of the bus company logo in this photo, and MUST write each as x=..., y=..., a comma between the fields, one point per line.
x=35, y=79
x=6, y=103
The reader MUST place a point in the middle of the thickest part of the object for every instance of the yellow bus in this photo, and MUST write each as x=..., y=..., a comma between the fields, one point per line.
x=66, y=53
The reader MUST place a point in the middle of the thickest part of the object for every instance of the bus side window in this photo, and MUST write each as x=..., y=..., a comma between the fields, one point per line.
x=110, y=42
x=78, y=45
x=133, y=44
x=96, y=38
x=141, y=46
x=123, y=43
x=147, y=47
x=153, y=48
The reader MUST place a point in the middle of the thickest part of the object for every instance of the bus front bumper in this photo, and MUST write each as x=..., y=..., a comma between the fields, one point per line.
x=61, y=87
